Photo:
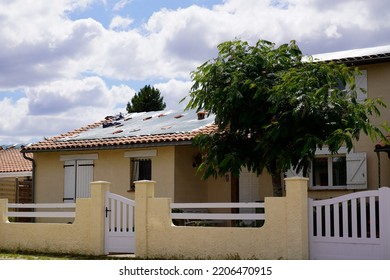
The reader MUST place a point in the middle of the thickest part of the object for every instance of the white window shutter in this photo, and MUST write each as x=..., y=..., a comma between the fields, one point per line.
x=356, y=171
x=84, y=177
x=69, y=181
x=361, y=85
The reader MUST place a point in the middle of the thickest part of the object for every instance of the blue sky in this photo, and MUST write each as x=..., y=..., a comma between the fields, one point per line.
x=68, y=63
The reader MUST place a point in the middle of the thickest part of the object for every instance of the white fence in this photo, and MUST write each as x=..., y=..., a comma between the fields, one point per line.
x=199, y=212
x=354, y=226
x=41, y=210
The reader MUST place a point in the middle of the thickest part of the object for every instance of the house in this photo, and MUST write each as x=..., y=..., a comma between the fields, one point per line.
x=122, y=149
x=366, y=167
x=15, y=174
x=158, y=146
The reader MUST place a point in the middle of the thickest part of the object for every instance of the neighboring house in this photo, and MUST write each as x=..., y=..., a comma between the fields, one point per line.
x=367, y=166
x=15, y=175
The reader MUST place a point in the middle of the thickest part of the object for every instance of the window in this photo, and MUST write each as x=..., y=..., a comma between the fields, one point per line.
x=141, y=169
x=140, y=165
x=78, y=175
x=329, y=171
x=338, y=171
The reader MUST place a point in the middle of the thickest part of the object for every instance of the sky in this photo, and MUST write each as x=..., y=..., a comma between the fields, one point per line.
x=69, y=63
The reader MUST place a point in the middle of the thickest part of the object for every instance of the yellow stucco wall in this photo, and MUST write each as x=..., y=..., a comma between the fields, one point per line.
x=171, y=168
x=283, y=236
x=49, y=178
x=85, y=235
x=189, y=187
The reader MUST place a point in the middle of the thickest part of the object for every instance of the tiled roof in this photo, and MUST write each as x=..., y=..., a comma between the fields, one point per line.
x=151, y=128
x=12, y=160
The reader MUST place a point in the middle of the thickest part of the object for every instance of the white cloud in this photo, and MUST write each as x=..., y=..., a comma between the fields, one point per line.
x=63, y=65
x=121, y=4
x=173, y=92
x=120, y=23
x=60, y=106
x=59, y=97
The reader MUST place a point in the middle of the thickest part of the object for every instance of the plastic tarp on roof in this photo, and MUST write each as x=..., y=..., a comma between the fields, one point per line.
x=148, y=123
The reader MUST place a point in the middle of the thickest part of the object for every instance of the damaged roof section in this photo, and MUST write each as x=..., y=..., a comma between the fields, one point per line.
x=132, y=129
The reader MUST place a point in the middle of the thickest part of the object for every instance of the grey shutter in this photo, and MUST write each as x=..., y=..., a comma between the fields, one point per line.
x=361, y=85
x=356, y=171
x=84, y=177
x=69, y=181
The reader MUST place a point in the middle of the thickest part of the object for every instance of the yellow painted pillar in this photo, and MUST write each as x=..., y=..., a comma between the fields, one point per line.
x=297, y=218
x=143, y=191
x=97, y=215
x=3, y=210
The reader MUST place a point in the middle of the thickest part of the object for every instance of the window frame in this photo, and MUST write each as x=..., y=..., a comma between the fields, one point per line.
x=356, y=170
x=132, y=180
x=330, y=185
x=146, y=154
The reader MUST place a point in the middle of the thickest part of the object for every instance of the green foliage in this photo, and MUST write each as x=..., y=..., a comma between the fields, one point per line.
x=146, y=100
x=273, y=109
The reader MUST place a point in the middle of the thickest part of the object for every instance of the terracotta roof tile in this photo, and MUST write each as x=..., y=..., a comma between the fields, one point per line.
x=12, y=160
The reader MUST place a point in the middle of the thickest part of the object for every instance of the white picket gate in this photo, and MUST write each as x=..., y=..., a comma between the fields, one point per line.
x=353, y=226
x=119, y=224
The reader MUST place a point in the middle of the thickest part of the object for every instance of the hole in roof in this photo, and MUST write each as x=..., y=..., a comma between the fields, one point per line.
x=162, y=115
x=147, y=118
x=178, y=116
x=135, y=129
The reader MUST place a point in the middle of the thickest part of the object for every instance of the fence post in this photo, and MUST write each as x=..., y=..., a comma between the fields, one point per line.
x=98, y=194
x=3, y=210
x=143, y=191
x=297, y=218
x=384, y=222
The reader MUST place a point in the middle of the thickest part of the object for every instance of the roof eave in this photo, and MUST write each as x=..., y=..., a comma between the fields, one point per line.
x=111, y=147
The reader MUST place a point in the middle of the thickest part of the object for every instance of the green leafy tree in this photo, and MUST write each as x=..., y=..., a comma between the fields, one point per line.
x=146, y=100
x=274, y=109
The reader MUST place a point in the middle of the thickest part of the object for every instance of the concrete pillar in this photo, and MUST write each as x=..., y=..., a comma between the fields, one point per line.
x=297, y=218
x=97, y=215
x=3, y=210
x=143, y=191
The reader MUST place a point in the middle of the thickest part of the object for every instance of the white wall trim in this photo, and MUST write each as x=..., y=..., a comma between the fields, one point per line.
x=79, y=157
x=325, y=151
x=141, y=154
x=15, y=174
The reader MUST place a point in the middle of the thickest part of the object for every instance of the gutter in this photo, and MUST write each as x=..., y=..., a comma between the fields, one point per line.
x=33, y=175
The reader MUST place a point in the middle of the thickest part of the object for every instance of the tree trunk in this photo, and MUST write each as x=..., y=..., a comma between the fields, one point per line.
x=277, y=184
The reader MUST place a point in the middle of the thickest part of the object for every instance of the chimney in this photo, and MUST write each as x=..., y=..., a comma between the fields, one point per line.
x=201, y=115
